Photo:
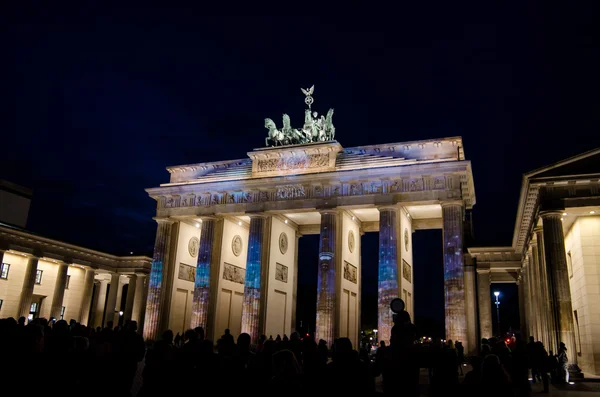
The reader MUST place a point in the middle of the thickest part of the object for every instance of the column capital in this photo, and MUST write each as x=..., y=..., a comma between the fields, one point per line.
x=166, y=220
x=334, y=210
x=537, y=230
x=208, y=218
x=452, y=203
x=261, y=215
x=391, y=207
x=551, y=214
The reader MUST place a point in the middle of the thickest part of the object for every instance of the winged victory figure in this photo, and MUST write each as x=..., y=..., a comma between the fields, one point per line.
x=308, y=91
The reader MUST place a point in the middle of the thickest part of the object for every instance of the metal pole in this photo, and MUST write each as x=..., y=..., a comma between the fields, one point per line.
x=498, y=313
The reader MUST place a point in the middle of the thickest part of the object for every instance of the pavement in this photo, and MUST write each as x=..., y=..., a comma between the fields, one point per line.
x=579, y=389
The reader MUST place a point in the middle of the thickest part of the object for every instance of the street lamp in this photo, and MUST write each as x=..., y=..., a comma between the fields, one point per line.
x=376, y=340
x=497, y=294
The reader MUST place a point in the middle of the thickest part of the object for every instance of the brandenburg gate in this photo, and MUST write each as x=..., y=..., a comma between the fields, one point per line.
x=227, y=241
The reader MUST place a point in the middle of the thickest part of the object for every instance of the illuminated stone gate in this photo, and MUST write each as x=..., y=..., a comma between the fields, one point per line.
x=227, y=241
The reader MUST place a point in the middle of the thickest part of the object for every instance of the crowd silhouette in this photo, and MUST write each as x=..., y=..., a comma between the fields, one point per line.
x=51, y=358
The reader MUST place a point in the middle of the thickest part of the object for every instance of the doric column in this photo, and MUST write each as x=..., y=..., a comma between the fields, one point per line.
x=485, y=303
x=295, y=287
x=100, y=303
x=525, y=322
x=59, y=290
x=28, y=285
x=521, y=289
x=253, y=307
x=86, y=297
x=549, y=324
x=326, y=278
x=556, y=265
x=454, y=283
x=536, y=297
x=111, y=301
x=130, y=298
x=155, y=284
x=471, y=309
x=387, y=282
x=139, y=301
x=530, y=291
x=203, y=304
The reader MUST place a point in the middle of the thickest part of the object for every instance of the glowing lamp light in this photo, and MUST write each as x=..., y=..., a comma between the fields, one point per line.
x=121, y=313
x=592, y=212
x=496, y=293
x=131, y=253
x=353, y=218
x=197, y=225
x=565, y=214
x=571, y=383
x=371, y=338
x=375, y=330
x=286, y=221
x=240, y=223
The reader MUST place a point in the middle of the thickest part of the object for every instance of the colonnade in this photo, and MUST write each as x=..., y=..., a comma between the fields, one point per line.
x=543, y=287
x=91, y=306
x=335, y=313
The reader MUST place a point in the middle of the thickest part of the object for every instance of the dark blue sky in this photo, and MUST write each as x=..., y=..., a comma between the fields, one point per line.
x=105, y=99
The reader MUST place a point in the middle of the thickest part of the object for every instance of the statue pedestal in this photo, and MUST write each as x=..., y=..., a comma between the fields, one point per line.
x=295, y=159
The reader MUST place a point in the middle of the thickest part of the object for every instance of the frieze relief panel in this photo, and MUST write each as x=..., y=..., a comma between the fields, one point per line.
x=290, y=192
x=299, y=191
x=301, y=162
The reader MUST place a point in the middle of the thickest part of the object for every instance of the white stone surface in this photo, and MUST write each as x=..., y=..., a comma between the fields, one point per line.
x=349, y=292
x=582, y=242
x=280, y=294
x=10, y=289
x=74, y=294
x=229, y=294
x=183, y=290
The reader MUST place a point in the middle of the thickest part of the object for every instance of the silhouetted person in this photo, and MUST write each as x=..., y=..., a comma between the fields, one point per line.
x=401, y=370
x=563, y=362
x=346, y=374
x=227, y=337
x=520, y=367
x=199, y=333
x=495, y=380
x=471, y=385
x=159, y=368
x=287, y=375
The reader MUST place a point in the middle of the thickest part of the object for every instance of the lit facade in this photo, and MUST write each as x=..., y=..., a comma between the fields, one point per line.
x=258, y=209
x=554, y=259
x=41, y=277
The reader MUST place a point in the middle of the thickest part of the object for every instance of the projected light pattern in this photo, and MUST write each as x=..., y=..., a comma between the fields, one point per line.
x=388, y=272
x=151, y=319
x=201, y=300
x=326, y=279
x=251, y=306
x=454, y=284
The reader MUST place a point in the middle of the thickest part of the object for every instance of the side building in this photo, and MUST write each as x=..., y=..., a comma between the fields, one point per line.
x=42, y=277
x=554, y=259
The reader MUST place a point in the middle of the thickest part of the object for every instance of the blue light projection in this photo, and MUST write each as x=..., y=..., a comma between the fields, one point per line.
x=388, y=271
x=201, y=300
x=151, y=319
x=326, y=279
x=454, y=290
x=251, y=305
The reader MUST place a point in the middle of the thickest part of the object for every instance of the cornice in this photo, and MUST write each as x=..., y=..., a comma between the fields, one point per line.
x=46, y=247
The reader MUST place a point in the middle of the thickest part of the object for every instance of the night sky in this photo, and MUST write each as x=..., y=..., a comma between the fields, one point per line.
x=105, y=99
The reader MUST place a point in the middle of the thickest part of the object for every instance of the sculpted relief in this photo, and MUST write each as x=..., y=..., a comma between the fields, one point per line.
x=294, y=163
x=290, y=192
x=300, y=191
